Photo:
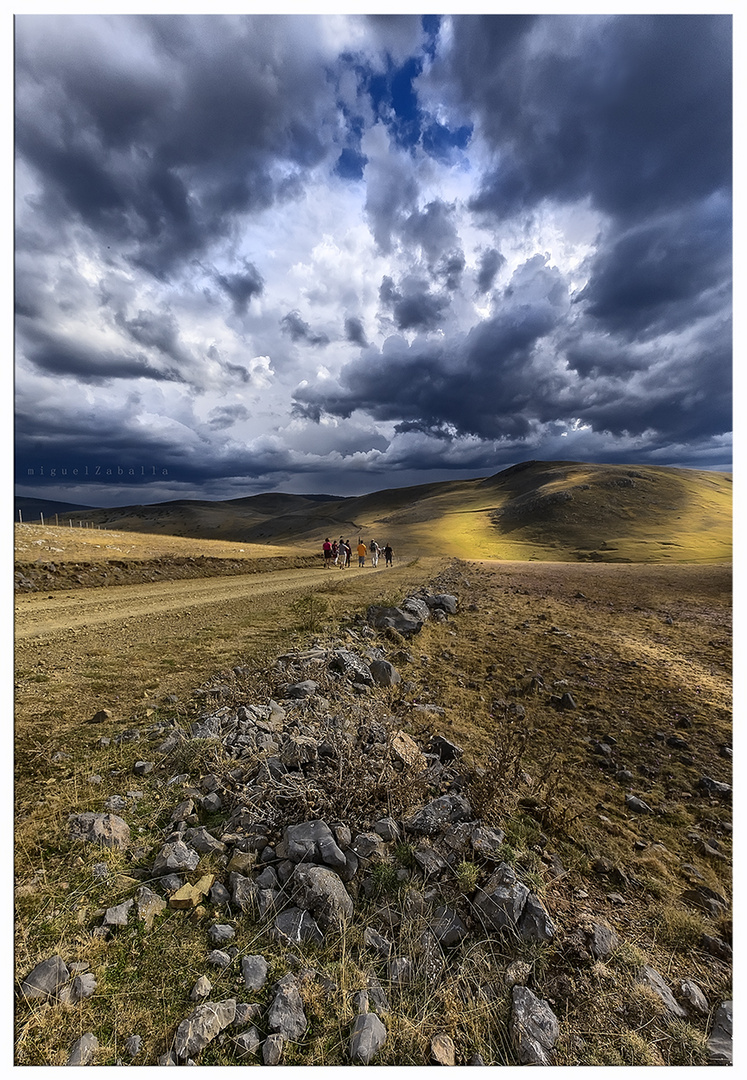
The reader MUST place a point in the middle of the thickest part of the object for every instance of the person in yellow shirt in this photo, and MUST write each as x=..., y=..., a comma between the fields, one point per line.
x=361, y=553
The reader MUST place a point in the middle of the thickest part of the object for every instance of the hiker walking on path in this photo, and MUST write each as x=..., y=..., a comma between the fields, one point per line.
x=388, y=555
x=327, y=552
x=361, y=553
x=335, y=552
x=374, y=549
x=348, y=552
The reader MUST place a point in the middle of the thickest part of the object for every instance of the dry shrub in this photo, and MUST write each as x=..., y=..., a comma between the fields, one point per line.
x=644, y=1005
x=634, y=1050
x=678, y=928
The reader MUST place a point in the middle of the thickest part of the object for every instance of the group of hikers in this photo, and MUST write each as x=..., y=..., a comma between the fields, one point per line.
x=339, y=553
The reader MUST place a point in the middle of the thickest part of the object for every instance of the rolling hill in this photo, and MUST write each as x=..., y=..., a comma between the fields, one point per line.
x=546, y=510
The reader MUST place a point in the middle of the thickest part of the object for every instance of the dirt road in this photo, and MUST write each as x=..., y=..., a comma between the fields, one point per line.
x=48, y=615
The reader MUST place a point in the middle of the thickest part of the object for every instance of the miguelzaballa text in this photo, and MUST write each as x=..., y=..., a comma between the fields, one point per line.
x=52, y=472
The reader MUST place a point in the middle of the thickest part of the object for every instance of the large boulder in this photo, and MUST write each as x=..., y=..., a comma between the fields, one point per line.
x=499, y=905
x=393, y=618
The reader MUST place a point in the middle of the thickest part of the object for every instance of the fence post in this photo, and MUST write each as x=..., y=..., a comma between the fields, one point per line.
x=20, y=516
x=41, y=517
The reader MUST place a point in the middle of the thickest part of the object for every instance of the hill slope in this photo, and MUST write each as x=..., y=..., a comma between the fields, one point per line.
x=557, y=510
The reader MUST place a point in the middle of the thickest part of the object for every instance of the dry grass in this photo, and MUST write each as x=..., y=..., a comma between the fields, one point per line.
x=523, y=637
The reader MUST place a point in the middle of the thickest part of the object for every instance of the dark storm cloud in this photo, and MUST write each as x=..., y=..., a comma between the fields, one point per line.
x=634, y=111
x=412, y=304
x=354, y=331
x=664, y=273
x=160, y=155
x=155, y=330
x=490, y=263
x=52, y=353
x=240, y=287
x=298, y=330
x=451, y=269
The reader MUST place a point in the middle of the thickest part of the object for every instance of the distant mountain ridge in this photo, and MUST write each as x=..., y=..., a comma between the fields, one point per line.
x=31, y=508
x=548, y=510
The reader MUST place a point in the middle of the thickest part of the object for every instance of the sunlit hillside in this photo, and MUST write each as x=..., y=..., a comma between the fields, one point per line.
x=556, y=511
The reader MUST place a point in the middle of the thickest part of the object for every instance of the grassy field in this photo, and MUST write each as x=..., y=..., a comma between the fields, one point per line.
x=645, y=651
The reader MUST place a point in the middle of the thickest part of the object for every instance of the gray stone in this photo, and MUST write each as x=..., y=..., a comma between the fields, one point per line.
x=218, y=958
x=202, y=1026
x=369, y=846
x=204, y=842
x=46, y=979
x=212, y=803
x=601, y=940
x=377, y=999
x=351, y=667
x=535, y=924
x=286, y=1015
x=534, y=1027
x=272, y=1049
x=439, y=814
x=107, y=830
x=142, y=768
x=219, y=894
x=400, y=970
x=416, y=607
x=299, y=750
x=446, y=750
x=247, y=1043
x=443, y=602
x=320, y=891
x=488, y=843
x=295, y=926
x=638, y=806
x=387, y=828
x=384, y=673
x=221, y=933
x=500, y=904
x=83, y=1051
x=447, y=927
x=311, y=841
x=300, y=690
x=650, y=977
x=382, y=618
x=175, y=858
x=83, y=986
x=430, y=862
x=378, y=944
x=243, y=892
x=367, y=1038
x=254, y=972
x=133, y=1045
x=117, y=916
x=693, y=998
x=720, y=1042
x=714, y=787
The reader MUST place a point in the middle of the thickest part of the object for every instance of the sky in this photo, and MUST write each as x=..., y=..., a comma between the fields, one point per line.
x=340, y=253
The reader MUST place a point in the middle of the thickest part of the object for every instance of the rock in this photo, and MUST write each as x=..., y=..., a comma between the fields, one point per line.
x=299, y=691
x=149, y=905
x=221, y=933
x=534, y=1027
x=692, y=997
x=393, y=618
x=84, y=1050
x=378, y=944
x=400, y=971
x=447, y=927
x=219, y=959
x=384, y=673
x=108, y=830
x=101, y=716
x=601, y=940
x=408, y=751
x=247, y=1043
x=638, y=806
x=295, y=926
x=377, y=999
x=272, y=1049
x=212, y=803
x=488, y=843
x=443, y=602
x=174, y=858
x=720, y=1042
x=286, y=1015
x=387, y=829
x=133, y=1045
x=320, y=891
x=243, y=892
x=202, y=1026
x=254, y=972
x=716, y=947
x=367, y=1038
x=500, y=904
x=299, y=750
x=351, y=667
x=714, y=787
x=191, y=896
x=203, y=841
x=201, y=988
x=311, y=842
x=142, y=768
x=430, y=862
x=369, y=846
x=117, y=916
x=535, y=924
x=83, y=986
x=46, y=979
x=443, y=1051
x=517, y=973
x=438, y=814
x=650, y=977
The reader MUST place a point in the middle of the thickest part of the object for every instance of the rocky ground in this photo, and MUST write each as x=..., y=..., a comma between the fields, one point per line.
x=324, y=864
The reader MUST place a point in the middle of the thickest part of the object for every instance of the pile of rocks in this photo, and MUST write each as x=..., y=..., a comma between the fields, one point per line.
x=301, y=869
